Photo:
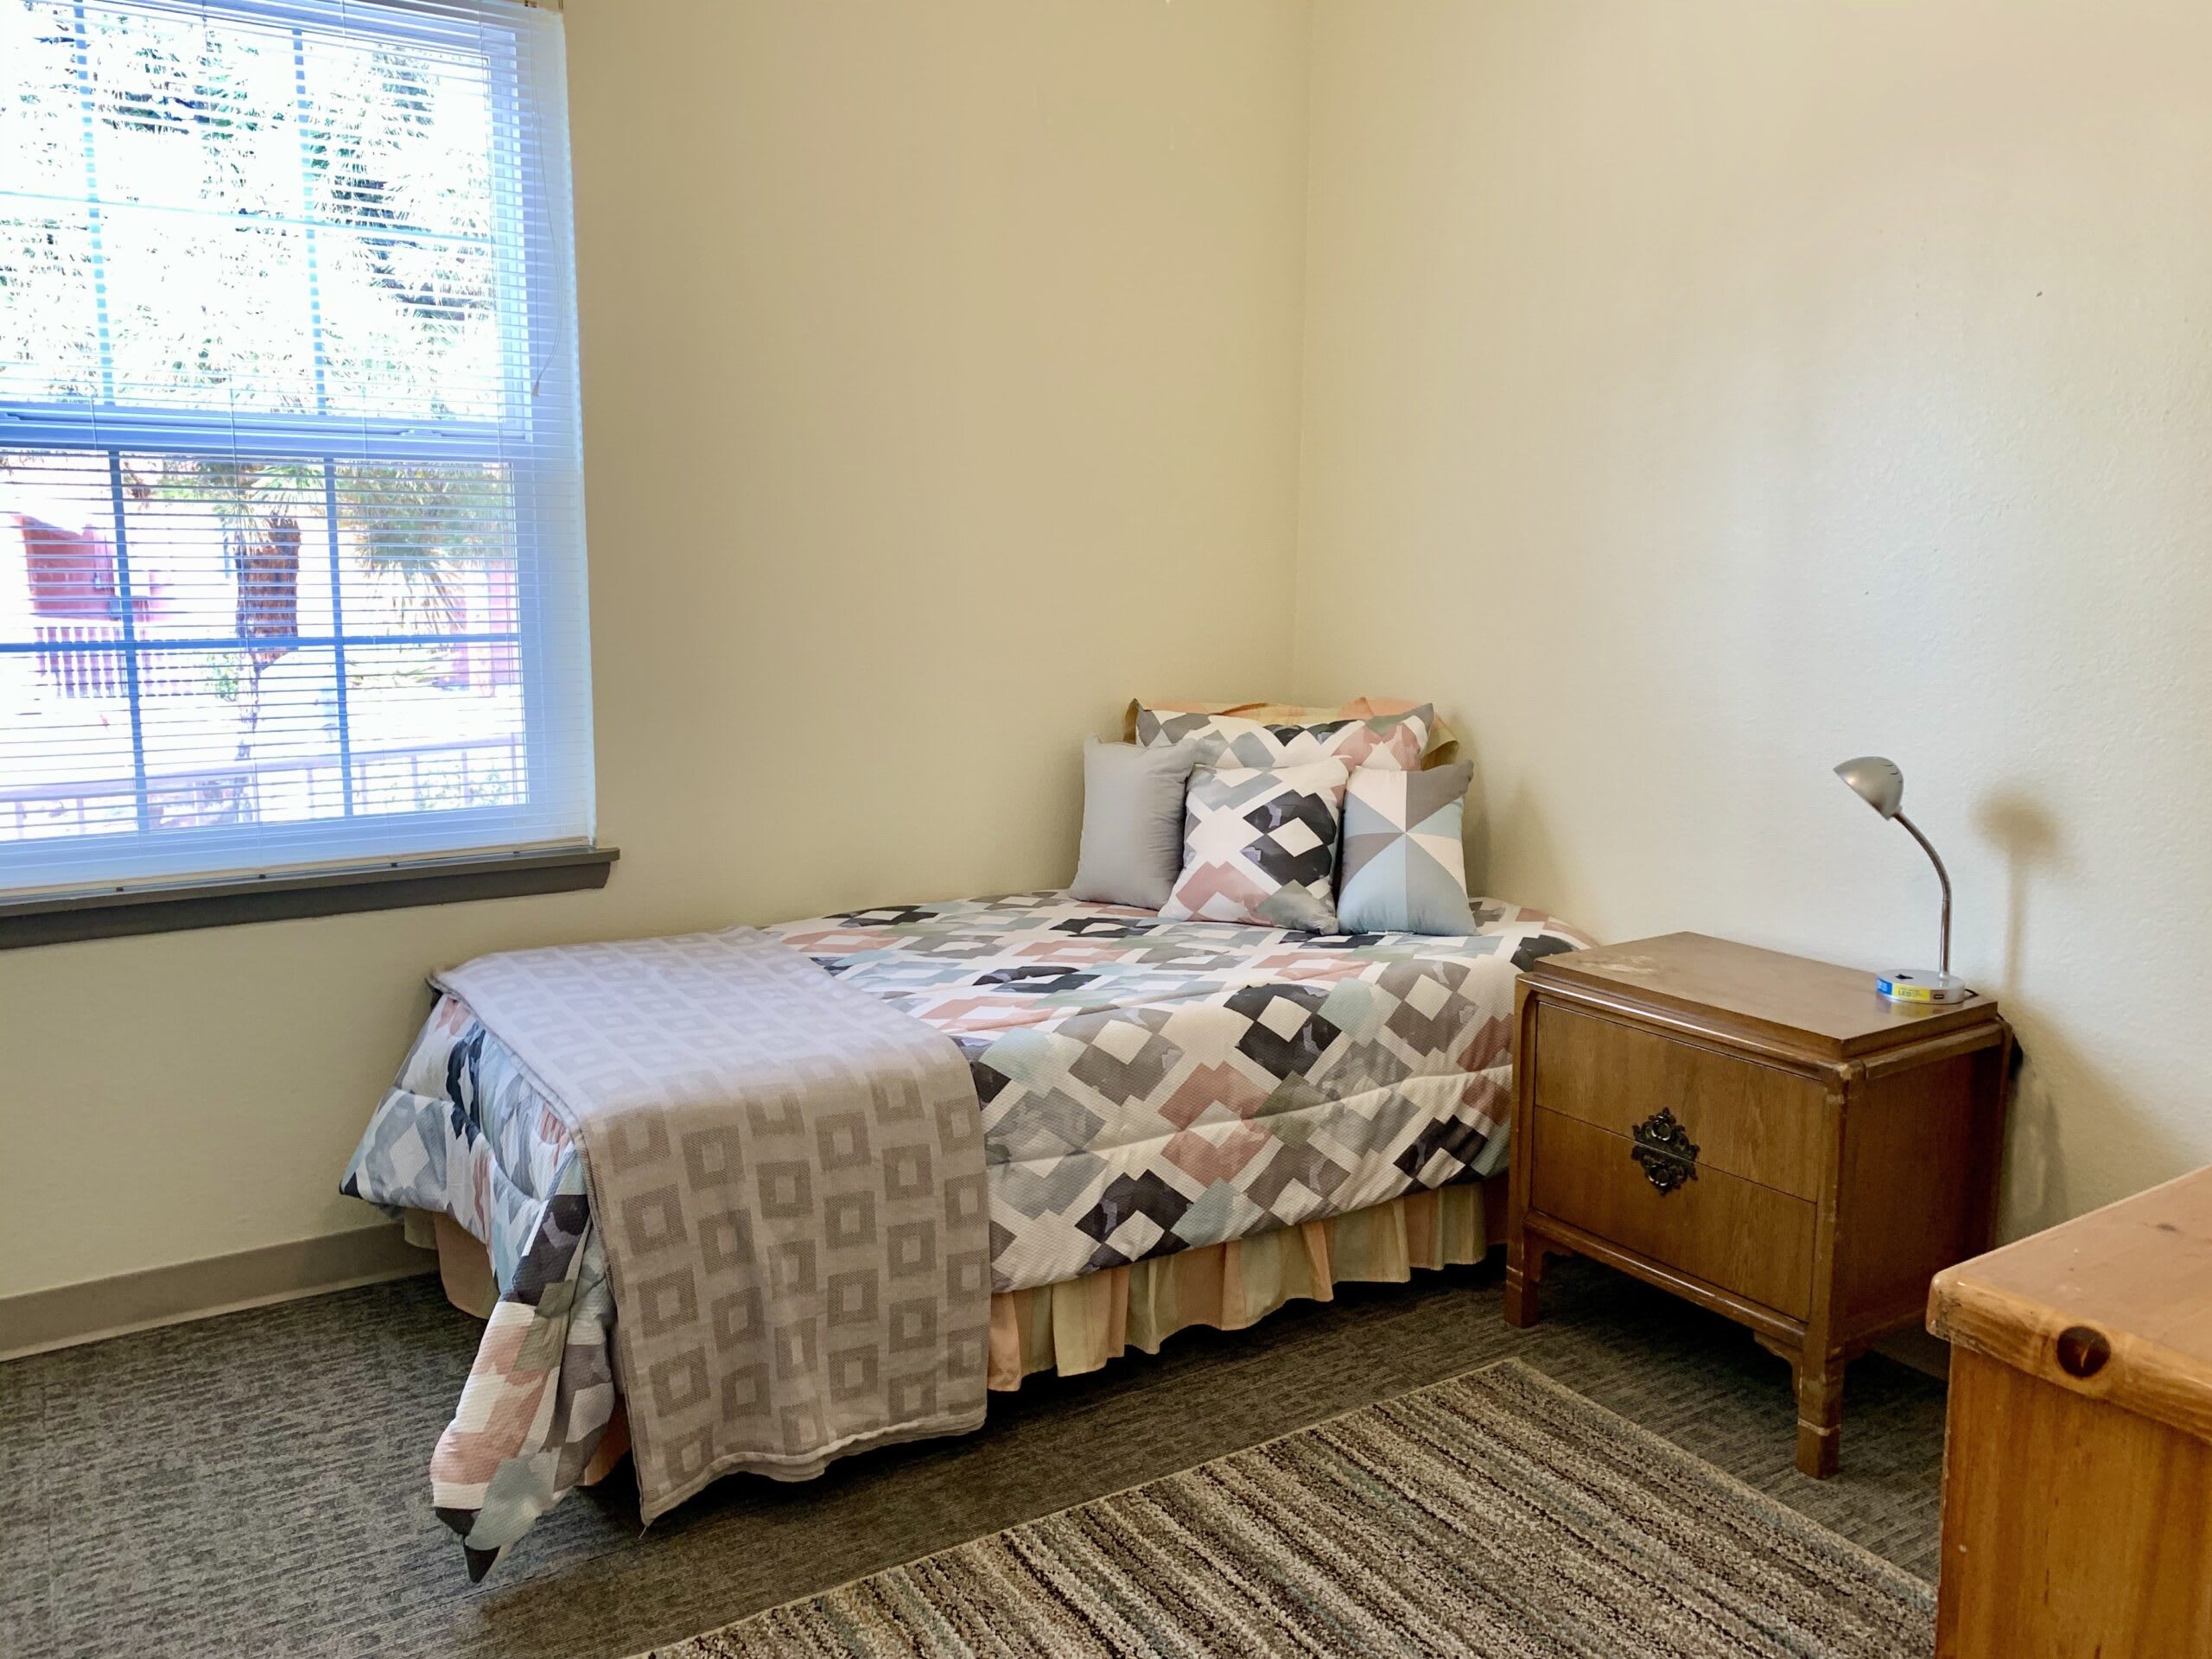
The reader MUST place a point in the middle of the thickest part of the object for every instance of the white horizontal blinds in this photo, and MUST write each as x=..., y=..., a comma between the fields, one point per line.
x=291, y=554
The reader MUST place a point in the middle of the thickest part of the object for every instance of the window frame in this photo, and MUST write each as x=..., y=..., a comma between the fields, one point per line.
x=533, y=262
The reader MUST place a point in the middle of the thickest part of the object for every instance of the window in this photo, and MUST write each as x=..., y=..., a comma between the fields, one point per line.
x=291, y=543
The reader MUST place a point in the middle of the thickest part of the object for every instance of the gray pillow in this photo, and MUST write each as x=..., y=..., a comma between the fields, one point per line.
x=1132, y=822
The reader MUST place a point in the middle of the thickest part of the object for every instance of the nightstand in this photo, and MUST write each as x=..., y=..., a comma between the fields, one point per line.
x=1763, y=1135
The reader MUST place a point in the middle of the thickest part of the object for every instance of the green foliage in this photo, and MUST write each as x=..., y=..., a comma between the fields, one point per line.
x=244, y=496
x=186, y=88
x=418, y=527
x=390, y=146
x=415, y=528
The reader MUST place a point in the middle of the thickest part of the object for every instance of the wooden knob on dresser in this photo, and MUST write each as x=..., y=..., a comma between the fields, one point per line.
x=2082, y=1350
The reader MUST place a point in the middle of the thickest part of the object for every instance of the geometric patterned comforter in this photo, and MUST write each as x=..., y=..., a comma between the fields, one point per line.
x=1146, y=1086
x=1151, y=1085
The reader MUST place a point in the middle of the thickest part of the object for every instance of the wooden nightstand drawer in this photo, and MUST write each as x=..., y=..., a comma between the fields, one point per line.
x=1750, y=1240
x=1747, y=1120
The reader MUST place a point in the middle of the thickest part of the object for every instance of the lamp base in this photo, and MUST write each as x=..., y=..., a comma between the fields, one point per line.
x=1921, y=985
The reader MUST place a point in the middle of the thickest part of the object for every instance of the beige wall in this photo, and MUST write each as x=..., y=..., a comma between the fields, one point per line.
x=940, y=372
x=1691, y=388
x=1682, y=386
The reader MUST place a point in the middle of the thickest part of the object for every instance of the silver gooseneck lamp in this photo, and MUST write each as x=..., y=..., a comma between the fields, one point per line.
x=1877, y=781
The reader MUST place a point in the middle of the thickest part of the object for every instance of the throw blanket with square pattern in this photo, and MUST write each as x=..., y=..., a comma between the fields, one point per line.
x=787, y=1177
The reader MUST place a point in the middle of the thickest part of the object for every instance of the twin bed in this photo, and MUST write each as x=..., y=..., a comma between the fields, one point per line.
x=1183, y=1122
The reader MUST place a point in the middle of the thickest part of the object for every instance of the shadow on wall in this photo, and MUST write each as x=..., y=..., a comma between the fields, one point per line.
x=1532, y=853
x=2027, y=837
x=2036, y=1193
x=2033, y=1195
x=1474, y=825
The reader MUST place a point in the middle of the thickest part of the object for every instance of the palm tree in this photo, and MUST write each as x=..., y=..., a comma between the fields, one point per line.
x=257, y=505
x=417, y=529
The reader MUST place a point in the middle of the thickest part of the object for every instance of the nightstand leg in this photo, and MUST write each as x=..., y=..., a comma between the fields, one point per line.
x=1524, y=1270
x=1820, y=1415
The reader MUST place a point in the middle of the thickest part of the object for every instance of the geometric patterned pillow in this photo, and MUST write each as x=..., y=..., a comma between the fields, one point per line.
x=1260, y=846
x=1388, y=740
x=1405, y=871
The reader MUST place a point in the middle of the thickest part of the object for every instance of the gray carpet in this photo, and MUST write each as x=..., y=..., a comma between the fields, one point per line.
x=1499, y=1514
x=257, y=1483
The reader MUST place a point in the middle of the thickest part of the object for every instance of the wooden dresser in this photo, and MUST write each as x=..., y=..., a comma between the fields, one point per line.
x=2077, y=1470
x=1763, y=1134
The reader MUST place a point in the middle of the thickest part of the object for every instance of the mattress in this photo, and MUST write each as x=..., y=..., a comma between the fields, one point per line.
x=1147, y=1087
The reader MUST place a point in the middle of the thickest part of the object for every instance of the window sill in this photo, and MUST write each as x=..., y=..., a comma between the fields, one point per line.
x=58, y=918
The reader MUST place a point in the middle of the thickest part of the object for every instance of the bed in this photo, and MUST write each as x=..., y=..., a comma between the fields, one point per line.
x=1184, y=1122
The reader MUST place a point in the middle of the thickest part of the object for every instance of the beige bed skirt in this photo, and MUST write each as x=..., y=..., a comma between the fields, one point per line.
x=1082, y=1325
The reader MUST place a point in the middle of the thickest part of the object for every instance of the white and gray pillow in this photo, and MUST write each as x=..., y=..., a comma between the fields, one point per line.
x=1132, y=846
x=1388, y=740
x=1404, y=869
x=1260, y=846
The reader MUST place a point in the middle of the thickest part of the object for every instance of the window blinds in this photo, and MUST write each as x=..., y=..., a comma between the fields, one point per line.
x=291, y=536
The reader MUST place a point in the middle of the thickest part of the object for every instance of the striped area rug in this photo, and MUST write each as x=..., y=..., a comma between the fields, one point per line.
x=1496, y=1514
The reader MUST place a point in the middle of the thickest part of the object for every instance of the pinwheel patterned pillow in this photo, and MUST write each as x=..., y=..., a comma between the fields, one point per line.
x=1403, y=869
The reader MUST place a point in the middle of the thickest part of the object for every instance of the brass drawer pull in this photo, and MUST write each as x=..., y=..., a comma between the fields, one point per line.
x=1664, y=1146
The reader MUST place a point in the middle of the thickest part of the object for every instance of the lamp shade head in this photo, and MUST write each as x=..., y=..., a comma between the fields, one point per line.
x=1877, y=781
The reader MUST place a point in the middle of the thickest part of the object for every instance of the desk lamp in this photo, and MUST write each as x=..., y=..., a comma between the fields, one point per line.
x=1877, y=781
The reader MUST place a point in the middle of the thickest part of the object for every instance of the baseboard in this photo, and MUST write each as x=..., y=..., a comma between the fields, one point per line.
x=68, y=1314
